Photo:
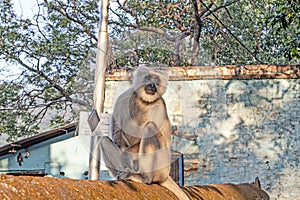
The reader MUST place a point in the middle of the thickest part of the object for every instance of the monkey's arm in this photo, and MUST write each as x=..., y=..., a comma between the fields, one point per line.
x=123, y=140
x=116, y=133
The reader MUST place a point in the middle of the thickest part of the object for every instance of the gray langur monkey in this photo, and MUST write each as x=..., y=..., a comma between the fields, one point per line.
x=140, y=145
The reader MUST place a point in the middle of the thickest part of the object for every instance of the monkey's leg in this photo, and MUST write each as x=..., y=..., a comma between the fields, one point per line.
x=112, y=156
x=154, y=155
x=130, y=160
x=171, y=185
x=117, y=162
x=155, y=158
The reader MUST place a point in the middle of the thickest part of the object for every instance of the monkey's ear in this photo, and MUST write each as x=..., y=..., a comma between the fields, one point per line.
x=164, y=76
x=141, y=71
x=138, y=77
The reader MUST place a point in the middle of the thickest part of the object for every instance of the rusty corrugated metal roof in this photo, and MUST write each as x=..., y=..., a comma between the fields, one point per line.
x=27, y=142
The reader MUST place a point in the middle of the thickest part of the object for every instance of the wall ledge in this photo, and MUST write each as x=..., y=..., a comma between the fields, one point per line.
x=229, y=72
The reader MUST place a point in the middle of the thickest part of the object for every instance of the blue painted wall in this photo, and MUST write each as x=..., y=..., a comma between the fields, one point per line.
x=61, y=154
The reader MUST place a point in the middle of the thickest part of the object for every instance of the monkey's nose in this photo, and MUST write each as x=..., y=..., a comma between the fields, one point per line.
x=151, y=88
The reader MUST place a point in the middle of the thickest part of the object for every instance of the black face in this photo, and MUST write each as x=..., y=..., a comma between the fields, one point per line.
x=150, y=88
x=151, y=84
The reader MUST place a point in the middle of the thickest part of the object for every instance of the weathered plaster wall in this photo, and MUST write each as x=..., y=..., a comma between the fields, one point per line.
x=233, y=123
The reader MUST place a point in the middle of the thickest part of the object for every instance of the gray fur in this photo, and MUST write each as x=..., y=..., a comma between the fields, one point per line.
x=141, y=134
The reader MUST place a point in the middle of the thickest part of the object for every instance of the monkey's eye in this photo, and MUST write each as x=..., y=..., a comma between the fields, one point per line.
x=152, y=79
x=147, y=78
x=157, y=82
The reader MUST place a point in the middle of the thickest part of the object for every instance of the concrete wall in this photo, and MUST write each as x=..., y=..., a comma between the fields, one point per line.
x=233, y=123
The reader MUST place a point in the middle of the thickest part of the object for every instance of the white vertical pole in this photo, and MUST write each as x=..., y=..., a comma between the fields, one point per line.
x=94, y=160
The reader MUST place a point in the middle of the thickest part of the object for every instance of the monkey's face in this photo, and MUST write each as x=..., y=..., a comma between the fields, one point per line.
x=150, y=85
x=152, y=82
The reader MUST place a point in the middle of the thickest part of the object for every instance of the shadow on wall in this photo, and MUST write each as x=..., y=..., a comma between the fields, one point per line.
x=246, y=128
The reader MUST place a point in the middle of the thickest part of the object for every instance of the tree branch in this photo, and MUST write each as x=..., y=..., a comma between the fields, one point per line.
x=237, y=39
x=64, y=13
x=132, y=13
x=56, y=86
x=218, y=8
x=157, y=30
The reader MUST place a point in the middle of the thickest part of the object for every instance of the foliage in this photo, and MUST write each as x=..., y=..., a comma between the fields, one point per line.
x=46, y=73
x=49, y=50
x=284, y=24
x=229, y=32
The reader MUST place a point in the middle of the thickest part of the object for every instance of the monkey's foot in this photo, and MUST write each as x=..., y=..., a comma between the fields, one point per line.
x=135, y=178
x=122, y=174
x=128, y=174
x=128, y=177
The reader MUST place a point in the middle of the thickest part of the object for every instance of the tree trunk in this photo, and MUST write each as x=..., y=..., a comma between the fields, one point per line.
x=197, y=30
x=196, y=45
x=176, y=55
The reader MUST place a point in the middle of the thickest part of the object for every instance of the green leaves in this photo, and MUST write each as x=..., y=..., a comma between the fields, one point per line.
x=48, y=50
x=48, y=57
x=231, y=32
x=284, y=22
x=14, y=120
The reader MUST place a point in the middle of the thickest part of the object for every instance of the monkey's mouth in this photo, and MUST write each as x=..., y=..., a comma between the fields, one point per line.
x=150, y=89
